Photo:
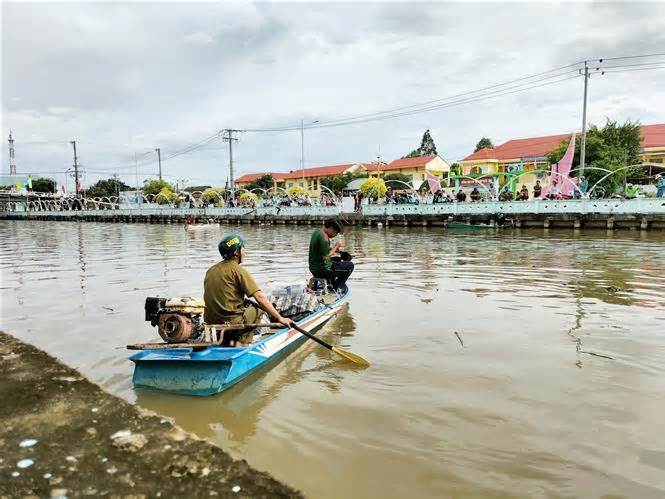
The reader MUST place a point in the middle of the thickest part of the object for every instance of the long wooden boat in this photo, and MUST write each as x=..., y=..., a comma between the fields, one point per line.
x=204, y=372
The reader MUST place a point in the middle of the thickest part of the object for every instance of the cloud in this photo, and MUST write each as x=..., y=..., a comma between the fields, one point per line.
x=126, y=77
x=199, y=38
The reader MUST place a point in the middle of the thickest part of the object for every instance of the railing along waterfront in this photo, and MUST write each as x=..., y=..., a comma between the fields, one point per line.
x=539, y=206
x=277, y=211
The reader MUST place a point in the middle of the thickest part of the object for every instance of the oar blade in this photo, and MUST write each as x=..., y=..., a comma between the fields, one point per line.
x=356, y=359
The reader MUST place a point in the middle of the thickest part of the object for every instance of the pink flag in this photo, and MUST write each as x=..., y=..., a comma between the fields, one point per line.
x=433, y=181
x=560, y=182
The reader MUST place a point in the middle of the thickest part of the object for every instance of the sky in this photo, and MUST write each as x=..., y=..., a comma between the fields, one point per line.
x=125, y=78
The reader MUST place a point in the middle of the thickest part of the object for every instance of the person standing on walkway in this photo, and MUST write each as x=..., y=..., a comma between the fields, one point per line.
x=660, y=185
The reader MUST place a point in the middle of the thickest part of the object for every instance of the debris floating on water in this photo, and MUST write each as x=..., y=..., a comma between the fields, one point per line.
x=25, y=463
x=47, y=475
x=236, y=488
x=28, y=442
x=71, y=459
x=94, y=409
x=15, y=474
x=459, y=338
x=112, y=470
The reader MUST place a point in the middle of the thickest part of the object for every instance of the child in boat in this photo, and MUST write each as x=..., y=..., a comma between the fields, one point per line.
x=225, y=287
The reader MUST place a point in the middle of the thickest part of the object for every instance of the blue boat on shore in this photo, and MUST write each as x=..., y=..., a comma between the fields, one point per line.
x=207, y=371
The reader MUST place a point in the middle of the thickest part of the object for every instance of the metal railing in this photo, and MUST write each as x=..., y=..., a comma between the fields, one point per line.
x=539, y=206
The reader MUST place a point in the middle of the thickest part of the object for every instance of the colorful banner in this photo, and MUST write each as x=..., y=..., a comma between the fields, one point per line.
x=434, y=182
x=560, y=182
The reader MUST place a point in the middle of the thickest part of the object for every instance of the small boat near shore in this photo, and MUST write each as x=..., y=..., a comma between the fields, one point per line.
x=203, y=370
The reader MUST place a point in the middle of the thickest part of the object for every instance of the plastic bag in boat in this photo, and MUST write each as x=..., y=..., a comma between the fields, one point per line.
x=294, y=300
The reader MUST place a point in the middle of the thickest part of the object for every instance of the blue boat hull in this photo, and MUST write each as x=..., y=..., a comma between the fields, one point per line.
x=213, y=370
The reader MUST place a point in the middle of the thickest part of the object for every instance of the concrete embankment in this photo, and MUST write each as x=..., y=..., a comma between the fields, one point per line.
x=61, y=435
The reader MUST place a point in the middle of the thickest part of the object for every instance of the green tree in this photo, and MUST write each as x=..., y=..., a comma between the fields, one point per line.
x=155, y=186
x=337, y=183
x=211, y=195
x=165, y=196
x=108, y=187
x=455, y=169
x=264, y=182
x=42, y=184
x=484, y=143
x=396, y=178
x=611, y=147
x=427, y=147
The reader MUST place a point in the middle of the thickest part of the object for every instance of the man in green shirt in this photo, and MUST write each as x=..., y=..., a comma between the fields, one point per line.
x=321, y=263
x=226, y=285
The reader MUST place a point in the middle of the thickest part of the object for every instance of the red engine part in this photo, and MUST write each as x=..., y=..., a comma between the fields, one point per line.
x=175, y=328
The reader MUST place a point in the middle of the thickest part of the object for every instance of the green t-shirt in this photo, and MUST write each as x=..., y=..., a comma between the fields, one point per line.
x=224, y=289
x=319, y=249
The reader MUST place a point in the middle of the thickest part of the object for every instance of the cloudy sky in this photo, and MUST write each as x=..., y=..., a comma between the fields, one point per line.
x=125, y=78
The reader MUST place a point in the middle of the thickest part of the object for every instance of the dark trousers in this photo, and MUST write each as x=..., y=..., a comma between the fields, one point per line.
x=338, y=274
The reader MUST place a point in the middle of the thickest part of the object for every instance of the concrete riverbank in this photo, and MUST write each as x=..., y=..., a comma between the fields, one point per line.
x=61, y=435
x=608, y=221
x=641, y=213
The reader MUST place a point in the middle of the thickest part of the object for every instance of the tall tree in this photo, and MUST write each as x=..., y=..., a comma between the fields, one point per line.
x=427, y=147
x=264, y=182
x=42, y=184
x=484, y=143
x=106, y=188
x=610, y=148
x=155, y=186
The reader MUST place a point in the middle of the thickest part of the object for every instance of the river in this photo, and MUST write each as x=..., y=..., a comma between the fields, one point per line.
x=554, y=384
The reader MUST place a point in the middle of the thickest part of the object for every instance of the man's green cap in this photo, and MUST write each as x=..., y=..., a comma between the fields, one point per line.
x=230, y=245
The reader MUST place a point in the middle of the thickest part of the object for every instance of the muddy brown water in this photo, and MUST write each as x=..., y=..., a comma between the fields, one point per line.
x=557, y=390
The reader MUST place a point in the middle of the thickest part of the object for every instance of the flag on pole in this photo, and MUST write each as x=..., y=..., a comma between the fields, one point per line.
x=19, y=186
x=29, y=183
x=434, y=181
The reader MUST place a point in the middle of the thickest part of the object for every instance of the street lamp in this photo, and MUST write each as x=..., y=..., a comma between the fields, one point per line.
x=302, y=148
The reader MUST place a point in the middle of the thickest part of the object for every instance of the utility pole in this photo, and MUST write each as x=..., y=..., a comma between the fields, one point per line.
x=302, y=151
x=12, y=158
x=76, y=168
x=302, y=148
x=230, y=139
x=159, y=159
x=583, y=144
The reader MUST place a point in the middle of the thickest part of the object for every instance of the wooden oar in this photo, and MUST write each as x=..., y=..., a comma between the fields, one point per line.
x=357, y=359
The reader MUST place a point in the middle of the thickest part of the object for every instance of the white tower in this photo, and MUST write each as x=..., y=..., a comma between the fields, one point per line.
x=12, y=158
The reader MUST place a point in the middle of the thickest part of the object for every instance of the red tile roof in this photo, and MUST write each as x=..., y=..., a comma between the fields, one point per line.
x=653, y=135
x=536, y=147
x=319, y=171
x=404, y=163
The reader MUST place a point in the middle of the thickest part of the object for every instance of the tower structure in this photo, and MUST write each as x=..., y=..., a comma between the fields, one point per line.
x=12, y=158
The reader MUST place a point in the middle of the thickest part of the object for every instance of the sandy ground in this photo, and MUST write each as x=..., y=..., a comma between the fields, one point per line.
x=61, y=435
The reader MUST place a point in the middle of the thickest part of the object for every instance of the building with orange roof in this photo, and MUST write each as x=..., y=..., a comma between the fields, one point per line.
x=309, y=179
x=412, y=167
x=530, y=155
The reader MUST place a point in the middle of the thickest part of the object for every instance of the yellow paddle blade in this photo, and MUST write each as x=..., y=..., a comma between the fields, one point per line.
x=357, y=359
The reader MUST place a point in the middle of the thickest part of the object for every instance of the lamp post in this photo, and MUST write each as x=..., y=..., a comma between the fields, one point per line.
x=302, y=148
